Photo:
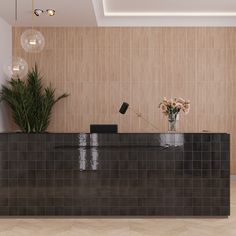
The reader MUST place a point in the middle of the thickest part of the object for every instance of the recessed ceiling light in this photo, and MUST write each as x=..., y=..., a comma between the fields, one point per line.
x=51, y=12
x=38, y=12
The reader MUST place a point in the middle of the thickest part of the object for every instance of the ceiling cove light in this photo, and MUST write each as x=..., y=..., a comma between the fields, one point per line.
x=166, y=13
x=32, y=40
x=153, y=14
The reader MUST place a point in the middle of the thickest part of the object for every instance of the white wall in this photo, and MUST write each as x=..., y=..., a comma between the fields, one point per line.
x=5, y=55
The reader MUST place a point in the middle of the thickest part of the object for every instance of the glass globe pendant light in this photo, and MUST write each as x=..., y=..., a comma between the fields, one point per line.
x=17, y=68
x=32, y=40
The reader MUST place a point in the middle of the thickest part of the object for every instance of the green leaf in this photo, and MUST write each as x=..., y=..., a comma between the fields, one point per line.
x=31, y=104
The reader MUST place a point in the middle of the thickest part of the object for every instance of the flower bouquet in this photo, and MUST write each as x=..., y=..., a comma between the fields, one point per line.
x=171, y=109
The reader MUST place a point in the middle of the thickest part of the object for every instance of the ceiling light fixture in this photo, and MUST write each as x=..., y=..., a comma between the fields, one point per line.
x=17, y=68
x=51, y=12
x=38, y=12
x=32, y=40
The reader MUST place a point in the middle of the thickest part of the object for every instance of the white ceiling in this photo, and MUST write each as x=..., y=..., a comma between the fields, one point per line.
x=68, y=12
x=142, y=7
x=165, y=12
x=123, y=12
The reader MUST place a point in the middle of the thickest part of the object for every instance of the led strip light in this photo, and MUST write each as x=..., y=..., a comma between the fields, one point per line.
x=206, y=14
x=189, y=14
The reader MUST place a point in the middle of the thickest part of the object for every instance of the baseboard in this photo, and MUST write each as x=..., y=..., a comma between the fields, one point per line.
x=233, y=177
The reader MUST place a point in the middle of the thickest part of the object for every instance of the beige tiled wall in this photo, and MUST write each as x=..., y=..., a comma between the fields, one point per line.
x=102, y=67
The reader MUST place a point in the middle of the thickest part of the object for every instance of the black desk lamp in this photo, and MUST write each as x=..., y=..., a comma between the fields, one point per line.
x=124, y=107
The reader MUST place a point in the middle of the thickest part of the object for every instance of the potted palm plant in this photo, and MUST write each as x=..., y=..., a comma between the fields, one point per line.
x=31, y=104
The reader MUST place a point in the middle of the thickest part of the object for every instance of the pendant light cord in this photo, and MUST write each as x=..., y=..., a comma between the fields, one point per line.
x=33, y=7
x=16, y=6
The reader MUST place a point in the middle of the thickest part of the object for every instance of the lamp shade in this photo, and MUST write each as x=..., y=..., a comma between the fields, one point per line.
x=32, y=41
x=124, y=108
x=16, y=68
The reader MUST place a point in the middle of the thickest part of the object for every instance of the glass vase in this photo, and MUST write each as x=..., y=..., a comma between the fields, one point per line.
x=172, y=119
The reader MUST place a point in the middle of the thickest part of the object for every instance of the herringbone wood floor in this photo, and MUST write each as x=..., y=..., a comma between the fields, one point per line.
x=123, y=227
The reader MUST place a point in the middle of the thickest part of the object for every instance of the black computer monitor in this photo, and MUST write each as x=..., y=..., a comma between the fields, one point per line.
x=95, y=128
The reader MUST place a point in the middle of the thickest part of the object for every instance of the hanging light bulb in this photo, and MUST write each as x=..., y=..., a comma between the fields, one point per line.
x=32, y=40
x=17, y=68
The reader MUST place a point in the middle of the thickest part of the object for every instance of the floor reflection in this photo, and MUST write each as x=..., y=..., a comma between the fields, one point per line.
x=167, y=140
x=88, y=157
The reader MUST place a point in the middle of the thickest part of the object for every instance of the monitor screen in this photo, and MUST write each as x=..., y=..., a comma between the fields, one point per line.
x=95, y=128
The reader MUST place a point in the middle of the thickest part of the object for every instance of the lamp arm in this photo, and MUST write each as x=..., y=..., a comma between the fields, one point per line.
x=140, y=115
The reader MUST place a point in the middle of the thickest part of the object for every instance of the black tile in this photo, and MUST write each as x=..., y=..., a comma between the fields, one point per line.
x=206, y=211
x=179, y=156
x=179, y=183
x=206, y=138
x=216, y=183
x=188, y=138
x=4, y=211
x=197, y=138
x=216, y=138
x=138, y=178
x=188, y=211
x=225, y=165
x=197, y=202
x=17, y=137
x=206, y=156
x=197, y=156
x=170, y=164
x=225, y=183
x=225, y=173
x=188, y=156
x=197, y=165
x=4, y=138
x=225, y=156
x=197, y=211
x=225, y=147
x=206, y=173
x=179, y=165
x=216, y=147
x=197, y=147
x=188, y=165
x=188, y=147
x=216, y=173
x=188, y=173
x=225, y=138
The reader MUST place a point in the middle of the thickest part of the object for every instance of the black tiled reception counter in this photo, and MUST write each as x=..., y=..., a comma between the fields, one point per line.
x=114, y=174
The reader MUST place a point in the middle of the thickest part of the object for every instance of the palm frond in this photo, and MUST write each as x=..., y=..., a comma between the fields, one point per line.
x=30, y=103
